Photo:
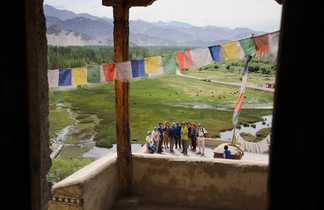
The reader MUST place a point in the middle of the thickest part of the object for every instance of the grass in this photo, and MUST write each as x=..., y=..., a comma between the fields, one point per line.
x=152, y=100
x=248, y=137
x=59, y=119
x=260, y=135
x=232, y=74
x=62, y=168
x=73, y=152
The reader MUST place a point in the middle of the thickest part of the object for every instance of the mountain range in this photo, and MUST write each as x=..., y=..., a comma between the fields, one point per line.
x=66, y=28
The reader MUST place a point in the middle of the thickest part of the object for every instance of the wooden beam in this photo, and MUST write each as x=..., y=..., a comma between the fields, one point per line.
x=279, y=1
x=121, y=44
x=131, y=3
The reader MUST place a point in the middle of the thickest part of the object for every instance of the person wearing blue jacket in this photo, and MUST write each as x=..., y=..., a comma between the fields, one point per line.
x=178, y=136
x=227, y=153
x=160, y=130
x=172, y=135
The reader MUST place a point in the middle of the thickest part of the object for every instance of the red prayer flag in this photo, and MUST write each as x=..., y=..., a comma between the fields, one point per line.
x=181, y=61
x=109, y=71
x=262, y=44
x=184, y=59
x=239, y=103
x=188, y=59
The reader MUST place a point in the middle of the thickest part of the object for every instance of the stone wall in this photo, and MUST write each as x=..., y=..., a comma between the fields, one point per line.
x=37, y=92
x=167, y=180
x=197, y=182
x=94, y=187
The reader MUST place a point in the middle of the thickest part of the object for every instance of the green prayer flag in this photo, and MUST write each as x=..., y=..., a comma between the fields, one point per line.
x=248, y=46
x=169, y=63
x=93, y=74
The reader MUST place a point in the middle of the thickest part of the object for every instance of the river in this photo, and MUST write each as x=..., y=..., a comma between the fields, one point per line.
x=252, y=128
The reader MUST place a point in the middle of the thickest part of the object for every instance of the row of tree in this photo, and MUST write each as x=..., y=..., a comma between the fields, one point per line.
x=69, y=57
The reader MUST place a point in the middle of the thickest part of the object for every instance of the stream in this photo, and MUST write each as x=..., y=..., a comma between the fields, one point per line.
x=82, y=135
x=221, y=107
x=252, y=128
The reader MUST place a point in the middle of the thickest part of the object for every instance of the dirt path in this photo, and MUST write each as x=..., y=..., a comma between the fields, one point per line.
x=254, y=87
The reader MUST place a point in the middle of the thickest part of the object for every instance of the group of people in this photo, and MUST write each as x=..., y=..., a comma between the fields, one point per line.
x=177, y=136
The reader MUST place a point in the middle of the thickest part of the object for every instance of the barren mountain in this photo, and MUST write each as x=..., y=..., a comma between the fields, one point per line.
x=68, y=28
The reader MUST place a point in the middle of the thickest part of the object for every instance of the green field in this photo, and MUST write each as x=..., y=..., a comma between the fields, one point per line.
x=154, y=100
x=58, y=118
x=160, y=99
x=231, y=72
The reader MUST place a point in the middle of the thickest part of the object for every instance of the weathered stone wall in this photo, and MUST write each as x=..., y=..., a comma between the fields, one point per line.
x=37, y=92
x=197, y=182
x=94, y=187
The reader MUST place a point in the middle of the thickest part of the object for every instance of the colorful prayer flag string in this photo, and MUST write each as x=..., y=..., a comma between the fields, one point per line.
x=240, y=99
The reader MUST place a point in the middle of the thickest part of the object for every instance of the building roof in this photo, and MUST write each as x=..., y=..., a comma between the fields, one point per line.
x=142, y=3
x=133, y=3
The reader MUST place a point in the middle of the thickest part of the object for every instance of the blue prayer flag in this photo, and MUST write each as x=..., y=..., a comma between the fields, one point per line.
x=65, y=77
x=138, y=68
x=215, y=52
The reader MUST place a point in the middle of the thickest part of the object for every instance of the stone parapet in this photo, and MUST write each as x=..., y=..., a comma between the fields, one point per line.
x=200, y=182
x=94, y=187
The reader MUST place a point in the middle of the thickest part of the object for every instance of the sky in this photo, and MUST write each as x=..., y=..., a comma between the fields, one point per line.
x=262, y=15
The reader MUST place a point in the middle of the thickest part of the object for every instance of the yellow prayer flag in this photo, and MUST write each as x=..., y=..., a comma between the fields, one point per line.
x=232, y=51
x=79, y=76
x=152, y=65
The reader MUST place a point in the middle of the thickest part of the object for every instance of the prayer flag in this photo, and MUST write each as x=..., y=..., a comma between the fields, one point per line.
x=273, y=46
x=200, y=57
x=102, y=74
x=79, y=76
x=169, y=63
x=138, y=68
x=93, y=74
x=215, y=52
x=65, y=77
x=123, y=71
x=188, y=59
x=109, y=71
x=262, y=44
x=232, y=51
x=152, y=65
x=248, y=46
x=239, y=103
x=184, y=60
x=181, y=60
x=240, y=100
x=53, y=78
x=157, y=74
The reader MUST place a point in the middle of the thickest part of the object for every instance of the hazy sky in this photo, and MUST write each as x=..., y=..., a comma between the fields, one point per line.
x=256, y=14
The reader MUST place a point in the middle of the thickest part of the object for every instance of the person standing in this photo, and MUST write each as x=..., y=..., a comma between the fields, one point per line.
x=193, y=136
x=172, y=134
x=189, y=125
x=202, y=134
x=184, y=138
x=166, y=135
x=156, y=137
x=160, y=130
x=178, y=136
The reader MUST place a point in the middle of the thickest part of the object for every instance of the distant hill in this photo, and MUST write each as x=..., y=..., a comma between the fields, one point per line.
x=68, y=28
